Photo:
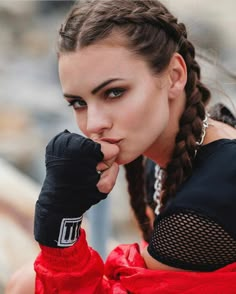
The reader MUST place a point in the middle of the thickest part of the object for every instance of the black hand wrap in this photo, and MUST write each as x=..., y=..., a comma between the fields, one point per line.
x=69, y=189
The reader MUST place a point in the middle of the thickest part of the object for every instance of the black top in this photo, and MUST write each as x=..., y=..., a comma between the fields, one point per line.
x=197, y=229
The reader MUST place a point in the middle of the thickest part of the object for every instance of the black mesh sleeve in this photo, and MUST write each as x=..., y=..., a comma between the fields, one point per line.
x=191, y=241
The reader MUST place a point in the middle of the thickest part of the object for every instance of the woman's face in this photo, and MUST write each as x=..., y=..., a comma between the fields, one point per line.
x=116, y=98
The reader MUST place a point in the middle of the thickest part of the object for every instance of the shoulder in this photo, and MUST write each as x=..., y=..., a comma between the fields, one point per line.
x=215, y=166
x=196, y=230
x=216, y=152
x=211, y=190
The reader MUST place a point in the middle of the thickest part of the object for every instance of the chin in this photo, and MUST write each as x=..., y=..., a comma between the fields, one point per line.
x=125, y=159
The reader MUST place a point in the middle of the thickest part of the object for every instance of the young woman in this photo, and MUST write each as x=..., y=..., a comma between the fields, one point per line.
x=129, y=72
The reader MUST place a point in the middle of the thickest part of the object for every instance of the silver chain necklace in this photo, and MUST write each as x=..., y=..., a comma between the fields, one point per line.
x=159, y=176
x=160, y=172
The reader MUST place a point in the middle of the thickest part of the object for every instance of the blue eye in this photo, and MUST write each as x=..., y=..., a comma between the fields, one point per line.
x=114, y=93
x=77, y=104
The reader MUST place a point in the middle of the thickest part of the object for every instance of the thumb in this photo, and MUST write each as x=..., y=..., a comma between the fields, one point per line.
x=110, y=152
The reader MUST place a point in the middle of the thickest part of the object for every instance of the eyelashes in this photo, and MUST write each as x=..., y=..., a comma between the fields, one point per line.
x=77, y=103
x=114, y=93
x=109, y=94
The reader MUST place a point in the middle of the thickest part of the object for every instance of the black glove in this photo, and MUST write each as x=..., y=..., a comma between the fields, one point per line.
x=69, y=189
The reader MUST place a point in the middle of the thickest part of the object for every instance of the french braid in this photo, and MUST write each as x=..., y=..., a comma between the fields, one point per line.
x=153, y=33
x=135, y=178
x=190, y=126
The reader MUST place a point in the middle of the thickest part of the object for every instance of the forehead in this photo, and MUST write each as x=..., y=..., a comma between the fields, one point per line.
x=104, y=55
x=96, y=62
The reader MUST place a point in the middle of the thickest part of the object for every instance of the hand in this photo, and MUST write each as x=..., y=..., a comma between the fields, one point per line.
x=69, y=189
x=108, y=167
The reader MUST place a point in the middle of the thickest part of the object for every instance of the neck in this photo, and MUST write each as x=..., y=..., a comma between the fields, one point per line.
x=161, y=150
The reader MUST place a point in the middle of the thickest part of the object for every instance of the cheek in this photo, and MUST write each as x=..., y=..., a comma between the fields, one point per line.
x=140, y=115
x=81, y=122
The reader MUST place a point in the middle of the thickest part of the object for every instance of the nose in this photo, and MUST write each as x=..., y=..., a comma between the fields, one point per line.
x=98, y=120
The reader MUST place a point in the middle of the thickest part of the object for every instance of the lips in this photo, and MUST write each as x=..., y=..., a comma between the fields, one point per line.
x=111, y=140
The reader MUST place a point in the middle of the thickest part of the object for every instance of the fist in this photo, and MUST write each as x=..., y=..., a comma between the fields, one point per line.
x=71, y=186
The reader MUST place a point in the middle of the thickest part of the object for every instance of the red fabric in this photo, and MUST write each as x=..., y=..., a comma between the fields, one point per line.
x=79, y=269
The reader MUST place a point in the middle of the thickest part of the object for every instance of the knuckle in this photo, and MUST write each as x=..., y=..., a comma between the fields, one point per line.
x=105, y=185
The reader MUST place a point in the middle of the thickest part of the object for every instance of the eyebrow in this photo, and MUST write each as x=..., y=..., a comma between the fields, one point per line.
x=95, y=90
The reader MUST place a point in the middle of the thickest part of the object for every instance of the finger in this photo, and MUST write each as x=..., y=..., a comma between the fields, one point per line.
x=102, y=166
x=110, y=151
x=108, y=179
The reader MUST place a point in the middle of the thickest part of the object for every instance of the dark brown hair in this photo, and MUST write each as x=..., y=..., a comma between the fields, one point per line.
x=153, y=33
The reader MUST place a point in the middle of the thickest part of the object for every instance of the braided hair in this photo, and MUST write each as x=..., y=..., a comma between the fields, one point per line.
x=153, y=33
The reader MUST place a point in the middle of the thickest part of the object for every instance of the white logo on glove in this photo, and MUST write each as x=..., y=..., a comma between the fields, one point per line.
x=69, y=231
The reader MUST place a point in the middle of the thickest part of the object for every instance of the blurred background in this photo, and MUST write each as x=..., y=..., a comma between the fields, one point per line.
x=32, y=111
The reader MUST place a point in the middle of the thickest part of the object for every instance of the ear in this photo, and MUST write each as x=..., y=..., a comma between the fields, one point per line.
x=177, y=76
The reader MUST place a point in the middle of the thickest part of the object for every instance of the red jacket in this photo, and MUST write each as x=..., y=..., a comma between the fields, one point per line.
x=80, y=270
